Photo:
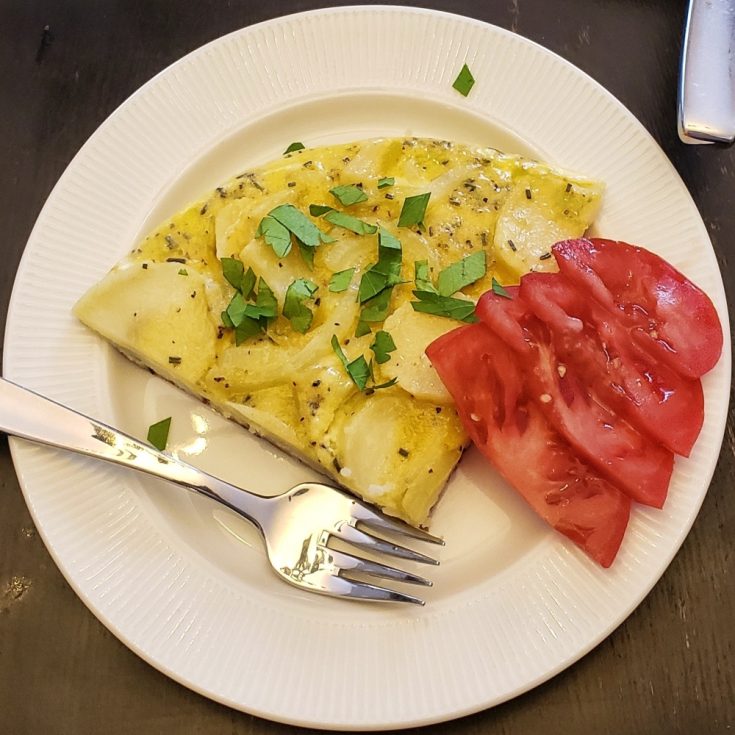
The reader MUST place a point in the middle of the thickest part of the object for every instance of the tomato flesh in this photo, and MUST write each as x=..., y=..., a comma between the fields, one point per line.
x=632, y=461
x=484, y=378
x=662, y=310
x=655, y=399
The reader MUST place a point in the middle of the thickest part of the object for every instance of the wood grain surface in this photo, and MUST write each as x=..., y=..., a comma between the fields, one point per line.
x=66, y=65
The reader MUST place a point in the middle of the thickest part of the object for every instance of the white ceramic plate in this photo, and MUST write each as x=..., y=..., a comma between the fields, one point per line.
x=186, y=587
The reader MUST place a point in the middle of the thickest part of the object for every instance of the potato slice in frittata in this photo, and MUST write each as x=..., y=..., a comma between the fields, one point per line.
x=298, y=298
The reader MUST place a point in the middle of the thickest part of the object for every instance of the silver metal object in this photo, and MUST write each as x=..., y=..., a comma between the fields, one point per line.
x=707, y=79
x=297, y=526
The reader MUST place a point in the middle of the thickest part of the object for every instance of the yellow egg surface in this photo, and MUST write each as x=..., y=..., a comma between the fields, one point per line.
x=383, y=426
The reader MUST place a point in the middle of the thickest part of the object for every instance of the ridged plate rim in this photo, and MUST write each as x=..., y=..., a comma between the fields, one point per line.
x=415, y=668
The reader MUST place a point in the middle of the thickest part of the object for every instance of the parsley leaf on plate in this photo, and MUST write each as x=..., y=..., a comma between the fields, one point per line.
x=382, y=345
x=236, y=309
x=297, y=223
x=462, y=273
x=266, y=300
x=247, y=283
x=390, y=383
x=464, y=81
x=307, y=253
x=158, y=433
x=348, y=194
x=232, y=270
x=386, y=181
x=499, y=290
x=247, y=328
x=295, y=146
x=413, y=210
x=249, y=319
x=422, y=277
x=433, y=303
x=340, y=281
x=358, y=369
x=276, y=234
x=386, y=273
x=317, y=210
x=376, y=308
x=350, y=223
x=226, y=320
x=294, y=305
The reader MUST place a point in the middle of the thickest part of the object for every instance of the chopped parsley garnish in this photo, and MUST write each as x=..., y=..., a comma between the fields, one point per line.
x=413, y=211
x=317, y=210
x=386, y=273
x=247, y=283
x=248, y=319
x=464, y=81
x=386, y=240
x=297, y=223
x=499, y=290
x=236, y=309
x=348, y=194
x=266, y=305
x=232, y=270
x=447, y=306
x=183, y=272
x=341, y=280
x=376, y=308
x=158, y=433
x=307, y=253
x=462, y=273
x=386, y=181
x=376, y=284
x=381, y=346
x=285, y=220
x=247, y=328
x=350, y=223
x=358, y=369
x=296, y=146
x=391, y=382
x=276, y=235
x=294, y=305
x=422, y=277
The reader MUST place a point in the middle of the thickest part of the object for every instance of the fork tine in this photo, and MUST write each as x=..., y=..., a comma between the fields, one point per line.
x=374, y=518
x=344, y=587
x=348, y=562
x=347, y=532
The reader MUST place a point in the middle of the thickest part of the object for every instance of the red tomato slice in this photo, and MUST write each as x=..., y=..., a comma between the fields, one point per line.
x=661, y=308
x=654, y=398
x=483, y=376
x=638, y=466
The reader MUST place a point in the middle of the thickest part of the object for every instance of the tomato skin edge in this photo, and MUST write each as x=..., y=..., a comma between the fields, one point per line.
x=656, y=399
x=675, y=321
x=628, y=458
x=592, y=512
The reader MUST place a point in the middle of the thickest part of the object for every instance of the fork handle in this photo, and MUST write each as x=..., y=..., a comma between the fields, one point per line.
x=31, y=416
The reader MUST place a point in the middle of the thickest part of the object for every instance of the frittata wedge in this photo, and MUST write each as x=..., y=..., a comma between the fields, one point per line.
x=298, y=298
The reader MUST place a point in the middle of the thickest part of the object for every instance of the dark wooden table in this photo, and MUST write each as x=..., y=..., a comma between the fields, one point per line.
x=65, y=67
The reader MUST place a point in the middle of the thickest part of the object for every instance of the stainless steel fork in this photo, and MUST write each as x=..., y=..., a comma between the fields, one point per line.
x=299, y=527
